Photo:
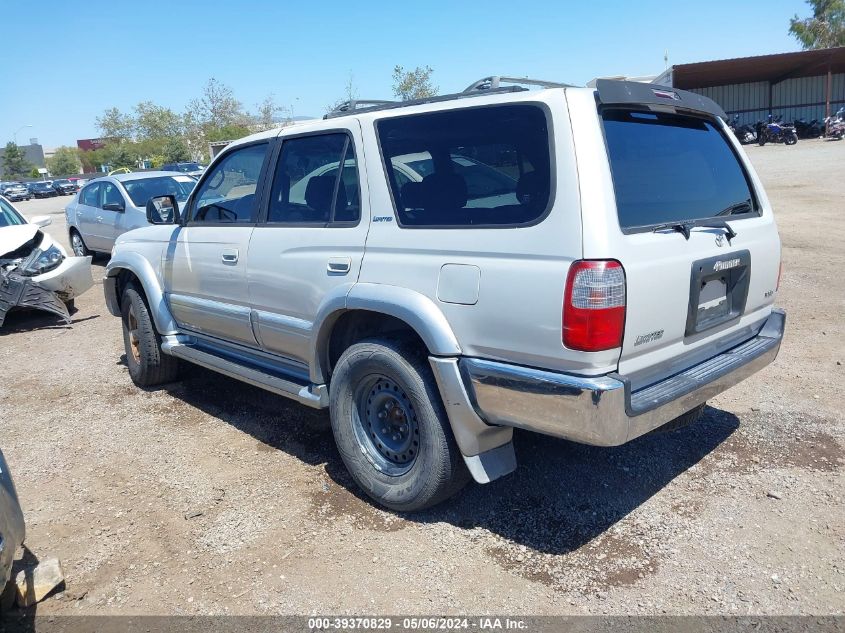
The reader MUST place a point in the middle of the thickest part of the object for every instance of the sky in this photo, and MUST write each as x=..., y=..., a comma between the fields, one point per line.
x=62, y=71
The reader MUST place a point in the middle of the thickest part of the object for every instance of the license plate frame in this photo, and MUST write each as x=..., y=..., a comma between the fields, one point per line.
x=706, y=311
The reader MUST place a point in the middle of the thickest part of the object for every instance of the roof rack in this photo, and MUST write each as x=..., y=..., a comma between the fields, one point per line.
x=488, y=85
x=348, y=107
x=495, y=82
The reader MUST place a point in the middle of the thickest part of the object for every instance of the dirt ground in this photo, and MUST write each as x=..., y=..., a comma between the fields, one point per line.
x=213, y=497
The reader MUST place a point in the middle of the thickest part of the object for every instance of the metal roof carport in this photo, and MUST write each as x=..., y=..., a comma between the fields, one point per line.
x=804, y=84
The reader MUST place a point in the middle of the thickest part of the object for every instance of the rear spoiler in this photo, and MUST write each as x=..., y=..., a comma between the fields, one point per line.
x=627, y=93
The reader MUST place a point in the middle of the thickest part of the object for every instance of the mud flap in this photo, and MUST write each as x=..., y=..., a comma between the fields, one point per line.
x=19, y=291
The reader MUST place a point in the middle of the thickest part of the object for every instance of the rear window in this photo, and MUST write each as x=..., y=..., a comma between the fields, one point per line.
x=479, y=167
x=671, y=168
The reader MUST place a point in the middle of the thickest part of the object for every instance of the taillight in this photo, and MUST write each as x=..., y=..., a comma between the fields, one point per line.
x=594, y=306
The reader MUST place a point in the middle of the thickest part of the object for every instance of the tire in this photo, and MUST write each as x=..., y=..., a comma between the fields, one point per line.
x=682, y=421
x=411, y=463
x=790, y=139
x=70, y=304
x=761, y=140
x=148, y=366
x=77, y=244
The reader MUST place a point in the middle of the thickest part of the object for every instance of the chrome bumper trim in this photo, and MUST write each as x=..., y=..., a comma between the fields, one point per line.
x=599, y=410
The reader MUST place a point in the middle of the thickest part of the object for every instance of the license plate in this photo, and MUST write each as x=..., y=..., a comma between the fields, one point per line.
x=712, y=300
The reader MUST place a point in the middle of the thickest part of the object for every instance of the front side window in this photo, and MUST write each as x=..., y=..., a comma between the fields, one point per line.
x=672, y=168
x=111, y=194
x=228, y=193
x=90, y=194
x=482, y=167
x=316, y=182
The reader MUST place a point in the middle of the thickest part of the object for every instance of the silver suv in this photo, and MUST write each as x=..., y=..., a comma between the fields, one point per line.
x=571, y=261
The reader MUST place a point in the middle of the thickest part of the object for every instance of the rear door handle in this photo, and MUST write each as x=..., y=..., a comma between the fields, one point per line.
x=339, y=265
x=230, y=256
x=99, y=218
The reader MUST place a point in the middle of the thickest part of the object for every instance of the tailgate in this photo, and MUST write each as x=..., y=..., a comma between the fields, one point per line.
x=693, y=231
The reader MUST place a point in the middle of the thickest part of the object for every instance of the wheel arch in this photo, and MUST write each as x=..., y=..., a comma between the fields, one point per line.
x=370, y=309
x=134, y=267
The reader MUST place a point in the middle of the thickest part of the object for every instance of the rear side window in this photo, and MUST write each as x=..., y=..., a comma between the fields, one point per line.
x=479, y=167
x=672, y=168
x=316, y=182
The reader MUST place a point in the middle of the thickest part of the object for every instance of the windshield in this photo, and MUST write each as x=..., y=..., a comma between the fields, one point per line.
x=8, y=216
x=40, y=185
x=670, y=168
x=143, y=189
x=60, y=182
x=188, y=167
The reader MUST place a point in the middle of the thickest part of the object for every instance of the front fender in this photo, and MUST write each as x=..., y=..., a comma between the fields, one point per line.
x=141, y=267
x=414, y=308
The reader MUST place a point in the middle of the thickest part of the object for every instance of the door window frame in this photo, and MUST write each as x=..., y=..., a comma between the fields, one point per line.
x=102, y=195
x=93, y=185
x=271, y=176
x=187, y=213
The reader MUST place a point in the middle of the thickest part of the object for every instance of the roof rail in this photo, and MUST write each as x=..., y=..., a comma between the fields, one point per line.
x=495, y=82
x=348, y=107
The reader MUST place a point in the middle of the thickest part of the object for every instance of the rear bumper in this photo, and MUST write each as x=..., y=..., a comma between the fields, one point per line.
x=603, y=411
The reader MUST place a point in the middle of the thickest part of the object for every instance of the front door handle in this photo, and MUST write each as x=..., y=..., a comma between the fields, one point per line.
x=230, y=256
x=339, y=265
x=99, y=218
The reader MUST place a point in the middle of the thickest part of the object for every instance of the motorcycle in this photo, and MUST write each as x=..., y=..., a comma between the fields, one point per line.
x=813, y=129
x=745, y=133
x=775, y=131
x=835, y=125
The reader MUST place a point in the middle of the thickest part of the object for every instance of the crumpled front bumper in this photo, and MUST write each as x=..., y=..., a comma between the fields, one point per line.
x=603, y=410
x=47, y=292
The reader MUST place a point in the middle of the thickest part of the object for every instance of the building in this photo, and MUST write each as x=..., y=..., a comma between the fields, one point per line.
x=806, y=84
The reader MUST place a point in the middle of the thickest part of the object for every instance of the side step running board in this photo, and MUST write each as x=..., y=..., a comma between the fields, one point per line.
x=316, y=396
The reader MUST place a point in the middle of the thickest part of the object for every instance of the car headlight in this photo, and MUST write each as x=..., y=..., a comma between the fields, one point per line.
x=42, y=261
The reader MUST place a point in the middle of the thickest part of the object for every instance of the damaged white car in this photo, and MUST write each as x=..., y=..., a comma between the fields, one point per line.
x=35, y=271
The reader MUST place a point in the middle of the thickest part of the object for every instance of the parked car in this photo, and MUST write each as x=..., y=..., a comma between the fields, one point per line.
x=108, y=207
x=35, y=271
x=190, y=168
x=15, y=191
x=65, y=187
x=12, y=527
x=42, y=189
x=571, y=261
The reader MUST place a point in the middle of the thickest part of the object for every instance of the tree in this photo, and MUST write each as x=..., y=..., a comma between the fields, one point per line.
x=267, y=111
x=34, y=173
x=413, y=84
x=64, y=162
x=350, y=93
x=15, y=164
x=217, y=107
x=825, y=29
x=156, y=122
x=115, y=124
x=174, y=151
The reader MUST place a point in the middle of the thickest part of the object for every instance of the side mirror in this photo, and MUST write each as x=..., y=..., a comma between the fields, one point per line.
x=163, y=210
x=41, y=220
x=113, y=206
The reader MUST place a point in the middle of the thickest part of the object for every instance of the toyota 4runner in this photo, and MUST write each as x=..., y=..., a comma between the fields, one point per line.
x=587, y=263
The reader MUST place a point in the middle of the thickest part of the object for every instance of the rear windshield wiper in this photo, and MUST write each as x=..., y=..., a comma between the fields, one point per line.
x=685, y=228
x=737, y=208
